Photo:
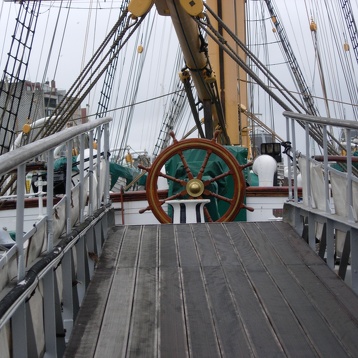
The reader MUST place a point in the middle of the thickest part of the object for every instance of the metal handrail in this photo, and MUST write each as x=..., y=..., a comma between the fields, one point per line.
x=82, y=240
x=11, y=160
x=344, y=123
x=304, y=217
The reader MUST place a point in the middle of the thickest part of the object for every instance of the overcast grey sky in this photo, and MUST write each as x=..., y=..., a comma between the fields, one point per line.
x=88, y=22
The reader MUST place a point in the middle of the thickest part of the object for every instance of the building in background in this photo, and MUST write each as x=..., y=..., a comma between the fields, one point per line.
x=35, y=102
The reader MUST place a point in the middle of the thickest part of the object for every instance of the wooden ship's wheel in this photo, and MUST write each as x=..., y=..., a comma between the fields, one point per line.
x=196, y=185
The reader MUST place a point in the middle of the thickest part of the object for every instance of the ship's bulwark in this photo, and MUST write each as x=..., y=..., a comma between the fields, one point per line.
x=211, y=290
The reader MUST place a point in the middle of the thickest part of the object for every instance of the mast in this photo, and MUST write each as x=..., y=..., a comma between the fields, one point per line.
x=230, y=77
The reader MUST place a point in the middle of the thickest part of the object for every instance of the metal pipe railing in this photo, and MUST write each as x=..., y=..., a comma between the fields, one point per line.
x=59, y=251
x=338, y=214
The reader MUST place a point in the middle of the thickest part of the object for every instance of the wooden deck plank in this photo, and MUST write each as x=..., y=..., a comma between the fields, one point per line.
x=83, y=341
x=346, y=297
x=344, y=294
x=223, y=245
x=205, y=246
x=339, y=320
x=226, y=323
x=230, y=330
x=142, y=331
x=167, y=247
x=215, y=290
x=148, y=256
x=202, y=338
x=306, y=312
x=172, y=336
x=114, y=334
x=253, y=316
x=186, y=246
x=246, y=301
x=287, y=328
x=128, y=255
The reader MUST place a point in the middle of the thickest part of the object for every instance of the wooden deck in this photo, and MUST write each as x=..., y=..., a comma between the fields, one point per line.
x=214, y=290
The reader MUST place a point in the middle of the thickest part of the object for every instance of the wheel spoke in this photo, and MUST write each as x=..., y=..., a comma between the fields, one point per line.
x=223, y=175
x=207, y=215
x=176, y=180
x=175, y=196
x=205, y=162
x=194, y=180
x=186, y=166
x=217, y=196
x=141, y=211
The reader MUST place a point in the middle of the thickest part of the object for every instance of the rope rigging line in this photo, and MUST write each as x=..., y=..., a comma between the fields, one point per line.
x=107, y=86
x=223, y=44
x=328, y=28
x=12, y=83
x=132, y=87
x=332, y=57
x=260, y=30
x=162, y=60
x=74, y=90
x=175, y=109
x=288, y=52
x=36, y=104
x=330, y=53
x=88, y=71
x=87, y=79
x=128, y=91
x=315, y=133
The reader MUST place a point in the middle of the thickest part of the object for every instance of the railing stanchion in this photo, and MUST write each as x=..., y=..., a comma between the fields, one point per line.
x=325, y=168
x=289, y=174
x=82, y=169
x=49, y=199
x=349, y=177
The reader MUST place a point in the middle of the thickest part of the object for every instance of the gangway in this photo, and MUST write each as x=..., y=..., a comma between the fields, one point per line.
x=203, y=289
x=234, y=289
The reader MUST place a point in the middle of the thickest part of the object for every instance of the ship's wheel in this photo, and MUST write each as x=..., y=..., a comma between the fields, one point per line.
x=195, y=183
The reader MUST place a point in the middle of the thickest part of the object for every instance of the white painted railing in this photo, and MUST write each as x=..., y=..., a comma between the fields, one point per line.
x=327, y=214
x=45, y=274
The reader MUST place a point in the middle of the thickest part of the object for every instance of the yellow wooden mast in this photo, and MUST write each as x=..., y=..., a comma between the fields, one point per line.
x=230, y=78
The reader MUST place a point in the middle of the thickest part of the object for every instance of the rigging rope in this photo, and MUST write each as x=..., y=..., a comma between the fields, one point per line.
x=12, y=83
x=92, y=72
x=315, y=132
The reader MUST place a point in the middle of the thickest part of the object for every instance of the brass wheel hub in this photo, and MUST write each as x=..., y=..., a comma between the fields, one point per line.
x=195, y=187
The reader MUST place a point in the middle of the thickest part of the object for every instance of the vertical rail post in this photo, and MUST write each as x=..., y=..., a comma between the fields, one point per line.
x=325, y=168
x=81, y=184
x=49, y=313
x=349, y=202
x=19, y=329
x=90, y=179
x=49, y=202
x=308, y=167
x=294, y=161
x=20, y=211
x=288, y=161
x=98, y=168
x=106, y=159
x=68, y=186
x=354, y=259
x=310, y=221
